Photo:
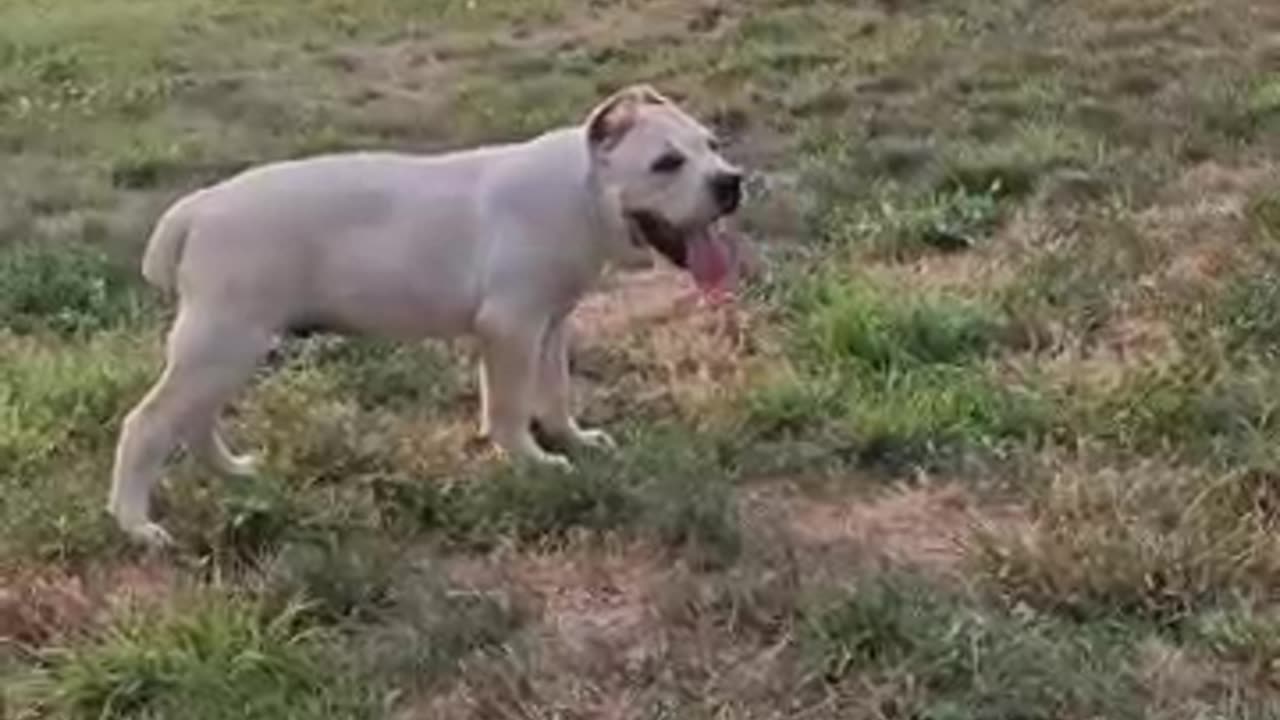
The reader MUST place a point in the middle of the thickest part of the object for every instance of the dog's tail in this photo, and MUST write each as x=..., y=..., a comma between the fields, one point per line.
x=164, y=249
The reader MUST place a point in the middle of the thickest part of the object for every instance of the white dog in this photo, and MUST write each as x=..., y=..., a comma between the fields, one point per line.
x=497, y=242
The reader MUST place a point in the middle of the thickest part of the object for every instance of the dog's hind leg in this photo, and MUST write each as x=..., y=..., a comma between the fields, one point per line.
x=208, y=359
x=206, y=443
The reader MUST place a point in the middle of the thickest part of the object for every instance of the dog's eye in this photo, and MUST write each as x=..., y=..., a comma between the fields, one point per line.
x=668, y=163
x=713, y=144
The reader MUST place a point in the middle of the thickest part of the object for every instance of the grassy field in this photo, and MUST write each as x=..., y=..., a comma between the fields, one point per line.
x=994, y=437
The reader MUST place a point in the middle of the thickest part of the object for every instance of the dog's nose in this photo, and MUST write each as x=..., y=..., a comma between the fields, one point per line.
x=726, y=188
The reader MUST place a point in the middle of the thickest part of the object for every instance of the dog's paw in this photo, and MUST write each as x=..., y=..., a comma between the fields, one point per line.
x=556, y=460
x=151, y=535
x=243, y=466
x=594, y=438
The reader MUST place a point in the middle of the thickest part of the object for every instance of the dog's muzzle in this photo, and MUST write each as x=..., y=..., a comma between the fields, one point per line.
x=653, y=230
x=726, y=190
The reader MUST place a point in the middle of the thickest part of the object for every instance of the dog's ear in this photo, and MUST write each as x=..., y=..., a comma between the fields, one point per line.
x=609, y=122
x=648, y=95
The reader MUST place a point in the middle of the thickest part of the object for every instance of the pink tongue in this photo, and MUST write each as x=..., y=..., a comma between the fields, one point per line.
x=713, y=256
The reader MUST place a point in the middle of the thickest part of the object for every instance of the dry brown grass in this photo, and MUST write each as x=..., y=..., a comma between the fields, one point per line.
x=619, y=632
x=922, y=529
x=1153, y=541
x=650, y=345
x=44, y=606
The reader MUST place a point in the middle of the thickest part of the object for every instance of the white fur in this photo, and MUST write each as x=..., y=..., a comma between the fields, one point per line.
x=497, y=242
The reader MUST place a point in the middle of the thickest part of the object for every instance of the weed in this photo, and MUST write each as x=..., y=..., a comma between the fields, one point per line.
x=214, y=656
x=68, y=289
x=314, y=432
x=59, y=411
x=1246, y=313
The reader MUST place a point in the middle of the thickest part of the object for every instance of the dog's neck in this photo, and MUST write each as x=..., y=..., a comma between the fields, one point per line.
x=608, y=219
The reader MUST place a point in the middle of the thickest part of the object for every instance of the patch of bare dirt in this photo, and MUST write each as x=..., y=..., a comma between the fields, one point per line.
x=922, y=528
x=589, y=596
x=622, y=632
x=38, y=605
x=599, y=622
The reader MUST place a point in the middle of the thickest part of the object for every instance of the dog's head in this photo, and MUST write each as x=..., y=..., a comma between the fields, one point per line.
x=664, y=172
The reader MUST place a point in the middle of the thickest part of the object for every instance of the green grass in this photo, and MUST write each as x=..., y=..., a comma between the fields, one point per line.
x=948, y=221
x=70, y=289
x=662, y=487
x=1244, y=313
x=931, y=654
x=1192, y=412
x=58, y=414
x=905, y=374
x=856, y=323
x=212, y=657
x=382, y=374
x=1013, y=245
x=292, y=651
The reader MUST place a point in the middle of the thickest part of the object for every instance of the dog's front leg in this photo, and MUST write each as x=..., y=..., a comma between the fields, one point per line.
x=555, y=392
x=510, y=347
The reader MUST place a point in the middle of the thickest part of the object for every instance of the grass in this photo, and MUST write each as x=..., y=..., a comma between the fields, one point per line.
x=69, y=290
x=218, y=657
x=933, y=655
x=56, y=414
x=1156, y=543
x=231, y=654
x=663, y=488
x=906, y=376
x=1024, y=250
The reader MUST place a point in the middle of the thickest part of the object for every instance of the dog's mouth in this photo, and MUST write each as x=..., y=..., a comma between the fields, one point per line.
x=709, y=253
